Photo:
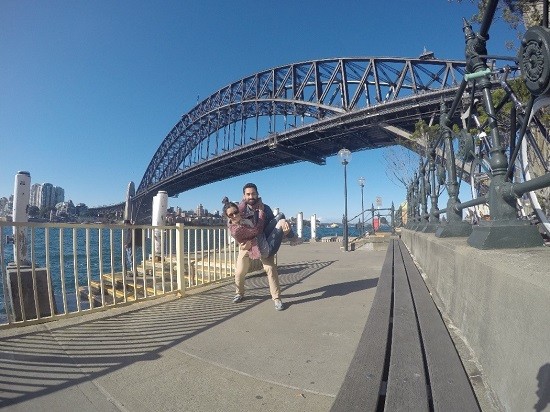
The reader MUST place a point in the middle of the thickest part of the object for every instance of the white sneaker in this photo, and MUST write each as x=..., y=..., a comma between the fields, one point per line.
x=238, y=298
x=279, y=304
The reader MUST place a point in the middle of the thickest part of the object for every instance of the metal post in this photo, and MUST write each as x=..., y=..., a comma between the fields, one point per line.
x=362, y=184
x=180, y=258
x=345, y=237
x=423, y=196
x=455, y=226
x=372, y=218
x=345, y=156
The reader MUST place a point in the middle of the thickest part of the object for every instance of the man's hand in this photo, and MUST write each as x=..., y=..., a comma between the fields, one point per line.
x=246, y=245
x=286, y=227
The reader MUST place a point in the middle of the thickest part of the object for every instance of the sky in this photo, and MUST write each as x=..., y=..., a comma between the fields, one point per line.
x=89, y=89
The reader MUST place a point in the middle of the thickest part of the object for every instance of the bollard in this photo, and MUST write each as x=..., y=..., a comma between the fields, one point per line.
x=23, y=280
x=313, y=228
x=160, y=208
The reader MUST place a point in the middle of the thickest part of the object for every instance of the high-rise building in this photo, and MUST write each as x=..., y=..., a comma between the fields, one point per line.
x=35, y=195
x=4, y=206
x=47, y=196
x=59, y=194
x=199, y=211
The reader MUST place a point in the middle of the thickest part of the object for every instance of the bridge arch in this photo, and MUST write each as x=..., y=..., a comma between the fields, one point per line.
x=315, y=97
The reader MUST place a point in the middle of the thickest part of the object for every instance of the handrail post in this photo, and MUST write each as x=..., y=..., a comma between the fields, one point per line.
x=423, y=196
x=180, y=258
x=455, y=226
x=431, y=227
x=409, y=206
x=414, y=201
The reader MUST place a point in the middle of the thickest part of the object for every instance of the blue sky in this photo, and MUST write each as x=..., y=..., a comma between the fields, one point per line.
x=89, y=89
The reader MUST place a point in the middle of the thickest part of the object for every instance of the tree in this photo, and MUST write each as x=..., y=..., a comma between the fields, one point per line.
x=33, y=211
x=402, y=161
x=518, y=14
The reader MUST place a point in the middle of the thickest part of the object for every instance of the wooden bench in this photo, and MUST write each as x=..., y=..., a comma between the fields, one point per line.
x=406, y=359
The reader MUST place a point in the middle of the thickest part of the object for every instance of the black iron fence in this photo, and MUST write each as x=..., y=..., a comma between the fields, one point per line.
x=500, y=152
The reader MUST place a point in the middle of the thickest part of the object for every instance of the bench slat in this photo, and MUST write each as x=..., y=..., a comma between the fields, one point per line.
x=450, y=386
x=407, y=389
x=361, y=387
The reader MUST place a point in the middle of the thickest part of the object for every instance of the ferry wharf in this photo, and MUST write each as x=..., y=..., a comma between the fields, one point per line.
x=202, y=352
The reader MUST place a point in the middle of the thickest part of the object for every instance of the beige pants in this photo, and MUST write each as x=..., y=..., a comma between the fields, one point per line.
x=241, y=269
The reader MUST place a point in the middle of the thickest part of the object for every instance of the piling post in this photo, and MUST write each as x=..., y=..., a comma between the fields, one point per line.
x=300, y=224
x=313, y=228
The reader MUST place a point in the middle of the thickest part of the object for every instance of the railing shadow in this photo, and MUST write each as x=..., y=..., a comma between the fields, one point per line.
x=329, y=291
x=52, y=358
x=543, y=392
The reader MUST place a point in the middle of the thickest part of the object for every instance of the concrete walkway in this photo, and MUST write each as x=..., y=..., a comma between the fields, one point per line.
x=202, y=352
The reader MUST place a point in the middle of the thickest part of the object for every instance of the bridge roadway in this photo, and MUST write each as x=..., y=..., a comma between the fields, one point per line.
x=202, y=352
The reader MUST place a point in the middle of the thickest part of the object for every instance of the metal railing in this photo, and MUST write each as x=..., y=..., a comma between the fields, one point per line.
x=71, y=269
x=505, y=158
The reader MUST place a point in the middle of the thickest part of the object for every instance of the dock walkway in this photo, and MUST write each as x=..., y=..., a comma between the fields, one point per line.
x=202, y=352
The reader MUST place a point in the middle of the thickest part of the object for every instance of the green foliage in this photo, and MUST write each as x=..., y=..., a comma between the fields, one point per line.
x=423, y=131
x=33, y=211
x=518, y=14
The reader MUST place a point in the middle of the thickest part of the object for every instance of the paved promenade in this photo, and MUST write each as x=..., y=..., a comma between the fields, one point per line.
x=202, y=352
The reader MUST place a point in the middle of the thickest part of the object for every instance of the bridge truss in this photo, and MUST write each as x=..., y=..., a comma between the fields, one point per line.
x=302, y=111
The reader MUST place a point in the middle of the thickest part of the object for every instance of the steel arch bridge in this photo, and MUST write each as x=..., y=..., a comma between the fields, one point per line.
x=303, y=111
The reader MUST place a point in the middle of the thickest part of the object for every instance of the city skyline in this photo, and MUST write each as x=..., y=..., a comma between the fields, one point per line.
x=88, y=99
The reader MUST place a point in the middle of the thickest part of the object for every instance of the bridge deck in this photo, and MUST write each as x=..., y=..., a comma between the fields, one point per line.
x=202, y=352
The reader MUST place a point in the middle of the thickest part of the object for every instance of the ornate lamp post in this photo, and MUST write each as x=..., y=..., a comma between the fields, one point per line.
x=361, y=182
x=345, y=157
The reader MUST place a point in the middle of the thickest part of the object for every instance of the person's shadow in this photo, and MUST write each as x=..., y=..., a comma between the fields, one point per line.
x=328, y=291
x=543, y=392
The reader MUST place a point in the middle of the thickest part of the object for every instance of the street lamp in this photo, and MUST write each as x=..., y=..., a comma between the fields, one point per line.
x=361, y=182
x=345, y=157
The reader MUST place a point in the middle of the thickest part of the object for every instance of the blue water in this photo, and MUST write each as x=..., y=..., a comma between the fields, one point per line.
x=68, y=271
